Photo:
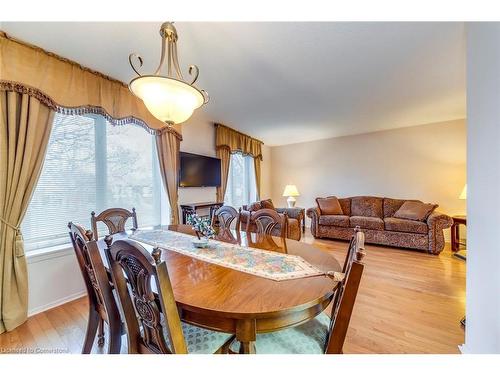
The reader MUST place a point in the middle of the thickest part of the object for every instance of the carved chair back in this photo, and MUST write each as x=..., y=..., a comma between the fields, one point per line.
x=345, y=293
x=148, y=318
x=266, y=221
x=225, y=216
x=114, y=219
x=99, y=289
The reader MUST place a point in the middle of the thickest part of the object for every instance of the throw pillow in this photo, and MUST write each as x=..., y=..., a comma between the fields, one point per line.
x=415, y=211
x=329, y=206
x=268, y=203
x=255, y=206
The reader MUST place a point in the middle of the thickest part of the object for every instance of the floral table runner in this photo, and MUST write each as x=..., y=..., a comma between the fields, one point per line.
x=267, y=264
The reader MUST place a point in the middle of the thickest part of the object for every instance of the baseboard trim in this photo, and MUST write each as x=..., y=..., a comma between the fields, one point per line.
x=57, y=302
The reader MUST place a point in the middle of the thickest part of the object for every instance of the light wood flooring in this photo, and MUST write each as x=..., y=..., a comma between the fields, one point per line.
x=408, y=302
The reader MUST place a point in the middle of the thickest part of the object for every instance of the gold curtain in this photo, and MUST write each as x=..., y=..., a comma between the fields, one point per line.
x=224, y=154
x=167, y=146
x=256, y=162
x=236, y=141
x=25, y=126
x=69, y=84
x=228, y=141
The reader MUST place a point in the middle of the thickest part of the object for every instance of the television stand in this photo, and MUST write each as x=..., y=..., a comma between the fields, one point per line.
x=192, y=208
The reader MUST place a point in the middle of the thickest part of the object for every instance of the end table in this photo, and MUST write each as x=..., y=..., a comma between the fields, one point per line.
x=455, y=234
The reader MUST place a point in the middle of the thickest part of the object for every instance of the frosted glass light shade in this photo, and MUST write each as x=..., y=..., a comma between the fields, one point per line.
x=169, y=100
x=463, y=195
x=291, y=191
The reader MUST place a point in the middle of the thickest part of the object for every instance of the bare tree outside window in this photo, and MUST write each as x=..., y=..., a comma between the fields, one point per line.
x=92, y=165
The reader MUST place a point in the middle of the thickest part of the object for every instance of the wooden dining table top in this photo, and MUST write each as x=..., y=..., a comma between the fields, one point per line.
x=203, y=286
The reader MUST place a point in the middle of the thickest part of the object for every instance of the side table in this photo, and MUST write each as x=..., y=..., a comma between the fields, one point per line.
x=455, y=234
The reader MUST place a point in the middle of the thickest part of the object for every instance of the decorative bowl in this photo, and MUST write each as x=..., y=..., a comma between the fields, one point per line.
x=201, y=243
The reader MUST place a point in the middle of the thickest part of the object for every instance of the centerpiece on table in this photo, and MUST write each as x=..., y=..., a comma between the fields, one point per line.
x=203, y=228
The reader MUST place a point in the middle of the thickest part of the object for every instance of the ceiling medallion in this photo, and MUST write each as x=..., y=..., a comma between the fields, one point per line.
x=169, y=98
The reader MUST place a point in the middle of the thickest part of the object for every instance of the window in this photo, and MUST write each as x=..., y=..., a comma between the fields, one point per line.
x=92, y=165
x=241, y=188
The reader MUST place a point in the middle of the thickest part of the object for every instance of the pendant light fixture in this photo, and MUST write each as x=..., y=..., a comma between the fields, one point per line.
x=168, y=97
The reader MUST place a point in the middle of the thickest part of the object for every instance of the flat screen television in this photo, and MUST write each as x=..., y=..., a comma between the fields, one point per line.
x=198, y=170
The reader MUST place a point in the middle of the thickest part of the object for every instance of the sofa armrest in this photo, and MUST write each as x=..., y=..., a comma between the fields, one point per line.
x=436, y=222
x=314, y=213
x=439, y=221
x=293, y=213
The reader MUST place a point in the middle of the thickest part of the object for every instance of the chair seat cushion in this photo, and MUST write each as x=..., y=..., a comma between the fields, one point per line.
x=200, y=340
x=403, y=225
x=308, y=338
x=366, y=222
x=336, y=220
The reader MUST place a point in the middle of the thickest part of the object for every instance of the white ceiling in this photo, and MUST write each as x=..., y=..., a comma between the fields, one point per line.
x=289, y=82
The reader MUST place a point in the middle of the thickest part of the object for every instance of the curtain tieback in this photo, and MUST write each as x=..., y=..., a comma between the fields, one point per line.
x=17, y=229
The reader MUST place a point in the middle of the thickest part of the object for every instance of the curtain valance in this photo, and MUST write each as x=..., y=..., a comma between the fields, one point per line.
x=66, y=86
x=226, y=137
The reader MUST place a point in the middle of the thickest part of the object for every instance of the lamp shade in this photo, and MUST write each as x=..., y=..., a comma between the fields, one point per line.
x=463, y=195
x=291, y=191
x=169, y=100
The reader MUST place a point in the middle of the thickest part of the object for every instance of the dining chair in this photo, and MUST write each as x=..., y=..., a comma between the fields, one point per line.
x=323, y=334
x=224, y=217
x=265, y=223
x=102, y=303
x=153, y=323
x=114, y=219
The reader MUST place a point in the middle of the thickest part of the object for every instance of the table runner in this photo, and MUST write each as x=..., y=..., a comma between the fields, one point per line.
x=263, y=263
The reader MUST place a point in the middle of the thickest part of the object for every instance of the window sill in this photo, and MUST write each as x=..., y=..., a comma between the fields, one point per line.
x=40, y=255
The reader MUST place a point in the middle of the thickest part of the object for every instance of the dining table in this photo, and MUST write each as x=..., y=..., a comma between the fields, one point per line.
x=223, y=299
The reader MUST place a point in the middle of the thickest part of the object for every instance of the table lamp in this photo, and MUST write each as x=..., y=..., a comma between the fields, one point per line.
x=291, y=192
x=463, y=194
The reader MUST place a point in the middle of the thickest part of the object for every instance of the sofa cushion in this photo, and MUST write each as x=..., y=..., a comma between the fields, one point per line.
x=366, y=222
x=268, y=203
x=415, y=211
x=329, y=206
x=336, y=220
x=391, y=206
x=367, y=206
x=345, y=203
x=403, y=225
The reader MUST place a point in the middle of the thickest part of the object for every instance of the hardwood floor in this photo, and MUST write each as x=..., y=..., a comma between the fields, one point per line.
x=409, y=302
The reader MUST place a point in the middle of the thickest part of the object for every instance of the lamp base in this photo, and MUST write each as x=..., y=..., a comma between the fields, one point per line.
x=291, y=202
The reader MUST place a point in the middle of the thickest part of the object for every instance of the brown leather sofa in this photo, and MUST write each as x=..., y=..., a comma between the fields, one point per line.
x=295, y=216
x=375, y=217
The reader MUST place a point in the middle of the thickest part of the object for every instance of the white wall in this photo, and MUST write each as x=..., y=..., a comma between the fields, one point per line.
x=198, y=137
x=53, y=279
x=425, y=162
x=482, y=334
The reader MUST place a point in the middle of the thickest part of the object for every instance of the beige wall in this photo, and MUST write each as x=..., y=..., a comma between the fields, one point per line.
x=199, y=137
x=426, y=162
